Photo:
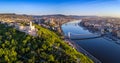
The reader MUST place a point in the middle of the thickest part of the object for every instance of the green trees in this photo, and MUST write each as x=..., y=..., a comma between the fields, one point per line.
x=16, y=46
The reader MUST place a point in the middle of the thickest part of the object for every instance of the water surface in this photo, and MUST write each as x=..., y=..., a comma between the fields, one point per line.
x=104, y=50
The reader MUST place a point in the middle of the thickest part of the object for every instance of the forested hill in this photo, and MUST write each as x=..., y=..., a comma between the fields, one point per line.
x=18, y=47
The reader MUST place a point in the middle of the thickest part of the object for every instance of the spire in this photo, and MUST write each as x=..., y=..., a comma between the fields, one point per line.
x=30, y=23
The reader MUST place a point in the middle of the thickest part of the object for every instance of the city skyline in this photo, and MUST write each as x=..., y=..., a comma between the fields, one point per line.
x=67, y=7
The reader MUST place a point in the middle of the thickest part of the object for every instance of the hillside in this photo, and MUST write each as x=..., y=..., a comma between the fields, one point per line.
x=18, y=47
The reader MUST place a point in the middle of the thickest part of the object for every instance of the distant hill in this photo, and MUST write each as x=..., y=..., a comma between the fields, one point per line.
x=15, y=17
x=27, y=18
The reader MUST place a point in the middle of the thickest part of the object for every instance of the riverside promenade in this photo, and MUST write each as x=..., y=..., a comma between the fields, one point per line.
x=80, y=49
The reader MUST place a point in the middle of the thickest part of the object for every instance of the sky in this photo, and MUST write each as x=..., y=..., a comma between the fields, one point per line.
x=67, y=7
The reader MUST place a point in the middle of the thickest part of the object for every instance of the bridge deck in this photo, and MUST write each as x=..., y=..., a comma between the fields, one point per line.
x=82, y=36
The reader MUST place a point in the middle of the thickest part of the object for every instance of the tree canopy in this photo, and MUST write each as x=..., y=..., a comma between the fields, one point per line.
x=18, y=47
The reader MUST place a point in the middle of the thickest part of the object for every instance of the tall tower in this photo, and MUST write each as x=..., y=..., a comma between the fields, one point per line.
x=69, y=35
x=30, y=24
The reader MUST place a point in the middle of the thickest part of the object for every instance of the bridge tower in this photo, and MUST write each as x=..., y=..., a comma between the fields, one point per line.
x=68, y=34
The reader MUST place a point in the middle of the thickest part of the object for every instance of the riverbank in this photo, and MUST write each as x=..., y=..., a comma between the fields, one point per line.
x=105, y=31
x=80, y=49
x=103, y=49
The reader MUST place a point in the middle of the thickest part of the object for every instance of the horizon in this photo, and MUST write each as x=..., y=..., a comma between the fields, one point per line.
x=67, y=7
x=60, y=14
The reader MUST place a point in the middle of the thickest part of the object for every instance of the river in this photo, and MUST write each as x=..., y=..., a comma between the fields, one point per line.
x=107, y=51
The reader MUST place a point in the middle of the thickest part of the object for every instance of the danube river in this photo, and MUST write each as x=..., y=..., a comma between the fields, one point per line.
x=105, y=50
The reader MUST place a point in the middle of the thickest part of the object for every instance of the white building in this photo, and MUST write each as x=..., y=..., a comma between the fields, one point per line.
x=29, y=29
x=31, y=26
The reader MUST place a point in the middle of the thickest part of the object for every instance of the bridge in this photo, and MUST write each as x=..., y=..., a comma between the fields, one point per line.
x=74, y=36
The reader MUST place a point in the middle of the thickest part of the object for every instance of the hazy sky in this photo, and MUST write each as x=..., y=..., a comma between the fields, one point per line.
x=69, y=7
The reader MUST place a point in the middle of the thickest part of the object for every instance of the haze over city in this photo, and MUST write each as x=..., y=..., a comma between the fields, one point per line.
x=59, y=31
x=67, y=7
